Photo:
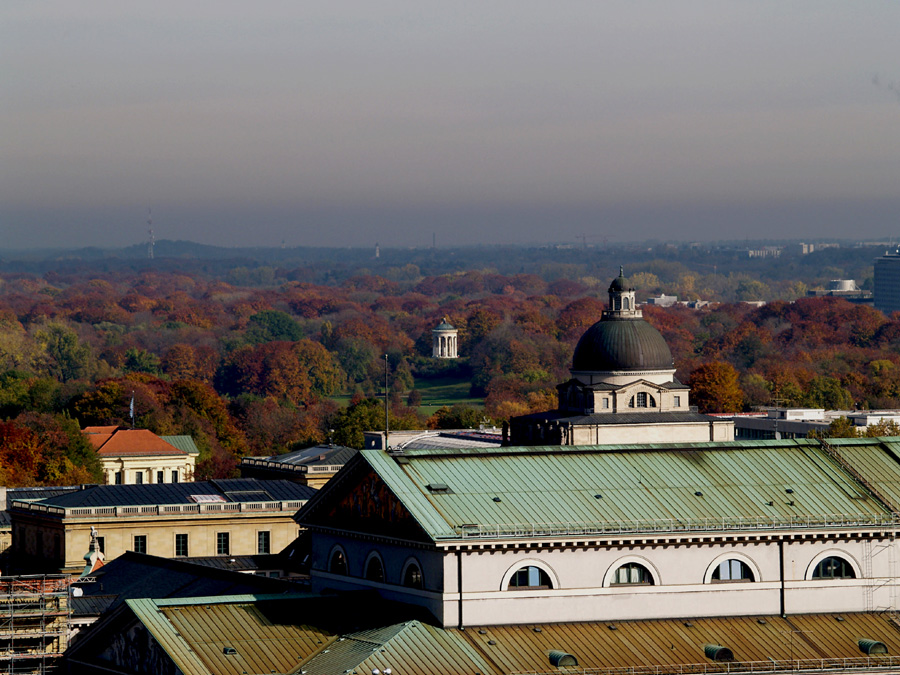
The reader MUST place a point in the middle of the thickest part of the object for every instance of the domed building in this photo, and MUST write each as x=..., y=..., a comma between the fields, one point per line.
x=623, y=388
x=444, y=340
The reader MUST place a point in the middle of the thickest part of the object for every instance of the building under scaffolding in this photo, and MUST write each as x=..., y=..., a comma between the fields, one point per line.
x=34, y=623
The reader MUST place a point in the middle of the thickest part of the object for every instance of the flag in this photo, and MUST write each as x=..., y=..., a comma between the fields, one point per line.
x=131, y=409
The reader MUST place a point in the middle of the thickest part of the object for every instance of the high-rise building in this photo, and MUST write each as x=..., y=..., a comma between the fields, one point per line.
x=887, y=282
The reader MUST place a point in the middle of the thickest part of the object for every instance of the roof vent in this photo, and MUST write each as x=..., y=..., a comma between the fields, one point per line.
x=439, y=487
x=229, y=651
x=718, y=653
x=561, y=659
x=872, y=647
x=497, y=499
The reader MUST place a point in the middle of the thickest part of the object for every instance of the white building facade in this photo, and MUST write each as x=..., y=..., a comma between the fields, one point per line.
x=795, y=532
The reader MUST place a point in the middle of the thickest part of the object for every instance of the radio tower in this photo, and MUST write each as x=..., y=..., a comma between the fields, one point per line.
x=150, y=232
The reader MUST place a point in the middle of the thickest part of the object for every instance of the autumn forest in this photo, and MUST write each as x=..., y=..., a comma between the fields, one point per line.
x=259, y=365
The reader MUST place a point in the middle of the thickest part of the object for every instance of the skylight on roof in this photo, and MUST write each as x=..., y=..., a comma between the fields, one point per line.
x=207, y=499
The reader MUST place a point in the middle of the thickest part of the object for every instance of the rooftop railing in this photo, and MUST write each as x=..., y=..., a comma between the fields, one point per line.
x=673, y=525
x=163, y=509
x=870, y=664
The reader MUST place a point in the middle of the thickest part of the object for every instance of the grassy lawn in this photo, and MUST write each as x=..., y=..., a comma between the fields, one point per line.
x=442, y=391
x=436, y=392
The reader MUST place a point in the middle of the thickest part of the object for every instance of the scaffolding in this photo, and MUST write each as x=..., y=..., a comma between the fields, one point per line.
x=34, y=623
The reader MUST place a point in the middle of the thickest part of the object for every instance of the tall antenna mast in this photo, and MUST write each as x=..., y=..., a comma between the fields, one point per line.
x=150, y=232
x=386, y=394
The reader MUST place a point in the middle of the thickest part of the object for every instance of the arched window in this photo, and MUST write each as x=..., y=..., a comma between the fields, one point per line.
x=338, y=562
x=642, y=400
x=625, y=303
x=375, y=570
x=632, y=573
x=412, y=577
x=529, y=577
x=732, y=570
x=833, y=568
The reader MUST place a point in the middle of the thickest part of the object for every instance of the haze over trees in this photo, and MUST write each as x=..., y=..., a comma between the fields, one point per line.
x=253, y=363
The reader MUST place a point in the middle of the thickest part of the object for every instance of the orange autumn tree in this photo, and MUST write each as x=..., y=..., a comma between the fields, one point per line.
x=715, y=388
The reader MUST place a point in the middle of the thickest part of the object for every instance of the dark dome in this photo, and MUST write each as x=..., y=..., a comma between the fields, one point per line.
x=622, y=344
x=620, y=283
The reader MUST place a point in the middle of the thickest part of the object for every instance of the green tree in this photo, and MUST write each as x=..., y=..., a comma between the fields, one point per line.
x=270, y=325
x=459, y=416
x=140, y=361
x=827, y=392
x=366, y=415
x=66, y=358
x=839, y=428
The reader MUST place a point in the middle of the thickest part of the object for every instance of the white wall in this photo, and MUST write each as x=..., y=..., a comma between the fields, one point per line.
x=682, y=572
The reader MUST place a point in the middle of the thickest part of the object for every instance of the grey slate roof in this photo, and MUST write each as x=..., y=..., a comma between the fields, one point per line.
x=241, y=562
x=33, y=494
x=622, y=344
x=232, y=489
x=329, y=454
x=135, y=575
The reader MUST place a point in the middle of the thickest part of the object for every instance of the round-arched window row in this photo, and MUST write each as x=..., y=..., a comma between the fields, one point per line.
x=530, y=577
x=411, y=575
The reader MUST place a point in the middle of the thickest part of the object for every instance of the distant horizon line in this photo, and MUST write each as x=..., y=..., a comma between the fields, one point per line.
x=617, y=244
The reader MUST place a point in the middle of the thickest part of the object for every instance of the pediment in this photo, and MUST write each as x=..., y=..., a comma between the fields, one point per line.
x=362, y=502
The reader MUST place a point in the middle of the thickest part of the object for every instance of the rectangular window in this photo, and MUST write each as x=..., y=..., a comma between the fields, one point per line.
x=181, y=545
x=160, y=477
x=101, y=544
x=677, y=401
x=139, y=477
x=263, y=542
x=118, y=477
x=140, y=543
x=606, y=404
x=222, y=547
x=175, y=476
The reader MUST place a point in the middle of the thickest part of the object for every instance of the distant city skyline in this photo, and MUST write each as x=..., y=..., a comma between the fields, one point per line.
x=524, y=122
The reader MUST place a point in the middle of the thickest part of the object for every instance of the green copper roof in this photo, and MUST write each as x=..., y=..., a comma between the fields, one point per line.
x=540, y=491
x=444, y=325
x=183, y=443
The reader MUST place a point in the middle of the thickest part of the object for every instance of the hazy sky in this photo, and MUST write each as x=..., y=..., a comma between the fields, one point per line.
x=346, y=123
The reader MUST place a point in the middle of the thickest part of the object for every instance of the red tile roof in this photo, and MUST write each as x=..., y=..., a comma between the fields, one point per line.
x=121, y=442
